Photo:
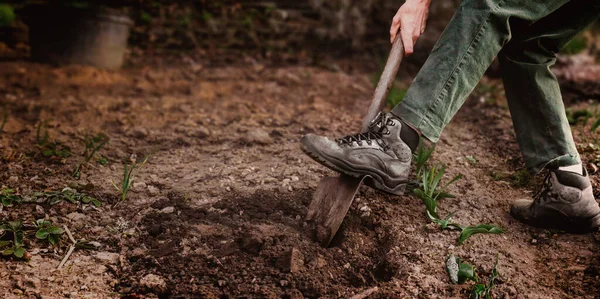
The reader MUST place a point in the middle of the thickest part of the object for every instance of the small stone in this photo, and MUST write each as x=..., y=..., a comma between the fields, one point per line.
x=13, y=179
x=366, y=211
x=534, y=241
x=137, y=132
x=168, y=210
x=222, y=283
x=154, y=283
x=138, y=252
x=198, y=132
x=27, y=255
x=283, y=283
x=31, y=282
x=295, y=178
x=409, y=229
x=39, y=211
x=79, y=220
x=153, y=190
x=593, y=168
x=296, y=260
x=107, y=257
x=319, y=262
x=291, y=261
x=258, y=136
x=95, y=244
x=139, y=185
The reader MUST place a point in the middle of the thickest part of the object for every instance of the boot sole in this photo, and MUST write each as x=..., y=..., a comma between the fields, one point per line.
x=373, y=180
x=572, y=225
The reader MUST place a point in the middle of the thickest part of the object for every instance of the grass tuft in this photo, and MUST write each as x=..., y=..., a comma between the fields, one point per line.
x=92, y=145
x=127, y=181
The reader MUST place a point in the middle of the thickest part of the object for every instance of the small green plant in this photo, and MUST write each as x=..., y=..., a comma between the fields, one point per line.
x=103, y=161
x=578, y=115
x=466, y=232
x=185, y=20
x=92, y=145
x=8, y=197
x=127, y=181
x=7, y=15
x=521, y=178
x=421, y=157
x=583, y=116
x=206, y=16
x=42, y=136
x=145, y=17
x=47, y=231
x=430, y=191
x=14, y=246
x=445, y=223
x=67, y=194
x=595, y=125
x=47, y=148
x=471, y=159
x=462, y=272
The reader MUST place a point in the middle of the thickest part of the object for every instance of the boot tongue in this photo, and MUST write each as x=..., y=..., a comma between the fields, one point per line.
x=378, y=124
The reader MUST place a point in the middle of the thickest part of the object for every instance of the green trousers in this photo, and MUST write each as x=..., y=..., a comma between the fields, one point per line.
x=525, y=35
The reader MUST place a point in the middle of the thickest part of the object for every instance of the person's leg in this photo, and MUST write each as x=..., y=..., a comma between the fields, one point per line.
x=469, y=44
x=532, y=91
x=474, y=36
x=566, y=200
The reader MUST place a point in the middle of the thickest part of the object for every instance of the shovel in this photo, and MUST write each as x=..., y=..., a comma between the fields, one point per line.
x=333, y=197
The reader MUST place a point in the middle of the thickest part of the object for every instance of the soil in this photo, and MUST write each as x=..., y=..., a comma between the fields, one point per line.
x=218, y=209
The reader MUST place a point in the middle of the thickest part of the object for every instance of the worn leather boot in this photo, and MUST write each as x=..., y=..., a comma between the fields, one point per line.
x=565, y=202
x=380, y=154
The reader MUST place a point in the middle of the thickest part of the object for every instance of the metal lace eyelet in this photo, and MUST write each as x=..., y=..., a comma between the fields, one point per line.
x=369, y=142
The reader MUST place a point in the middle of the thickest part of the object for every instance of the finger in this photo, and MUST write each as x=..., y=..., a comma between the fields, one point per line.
x=394, y=28
x=393, y=32
x=416, y=35
x=407, y=40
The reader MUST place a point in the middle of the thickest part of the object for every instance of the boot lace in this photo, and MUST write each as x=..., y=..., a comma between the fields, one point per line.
x=377, y=129
x=545, y=189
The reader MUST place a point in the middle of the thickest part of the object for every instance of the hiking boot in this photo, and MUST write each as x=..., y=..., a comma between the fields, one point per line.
x=378, y=153
x=565, y=202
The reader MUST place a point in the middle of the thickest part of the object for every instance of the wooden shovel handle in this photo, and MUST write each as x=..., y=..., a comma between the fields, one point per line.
x=385, y=81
